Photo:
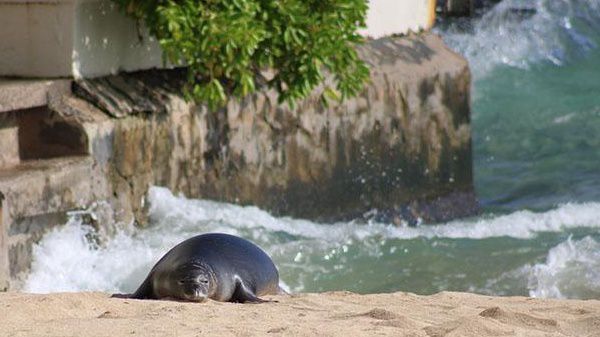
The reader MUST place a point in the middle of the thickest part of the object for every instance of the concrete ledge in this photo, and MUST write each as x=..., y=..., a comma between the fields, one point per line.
x=17, y=94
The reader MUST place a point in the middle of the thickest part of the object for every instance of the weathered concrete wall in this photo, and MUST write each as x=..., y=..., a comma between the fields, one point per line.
x=402, y=147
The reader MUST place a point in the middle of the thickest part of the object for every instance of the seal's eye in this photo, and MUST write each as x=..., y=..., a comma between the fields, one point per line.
x=204, y=281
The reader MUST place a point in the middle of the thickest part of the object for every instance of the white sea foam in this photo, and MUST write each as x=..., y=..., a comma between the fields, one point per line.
x=519, y=33
x=571, y=270
x=65, y=261
x=189, y=215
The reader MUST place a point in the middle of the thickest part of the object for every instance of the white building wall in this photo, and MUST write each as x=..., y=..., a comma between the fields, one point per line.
x=88, y=38
x=35, y=39
x=388, y=17
x=106, y=41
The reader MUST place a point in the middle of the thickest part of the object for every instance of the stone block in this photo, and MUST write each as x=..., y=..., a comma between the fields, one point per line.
x=18, y=94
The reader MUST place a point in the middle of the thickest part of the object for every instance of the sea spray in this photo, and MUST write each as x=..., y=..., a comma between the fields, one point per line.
x=67, y=260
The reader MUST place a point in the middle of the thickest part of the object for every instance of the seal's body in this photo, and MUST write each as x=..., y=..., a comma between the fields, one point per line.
x=221, y=267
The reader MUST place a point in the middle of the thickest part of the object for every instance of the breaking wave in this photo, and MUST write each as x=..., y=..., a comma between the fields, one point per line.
x=571, y=270
x=519, y=33
x=302, y=249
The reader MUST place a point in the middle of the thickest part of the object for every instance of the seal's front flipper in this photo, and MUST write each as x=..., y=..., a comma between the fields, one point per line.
x=243, y=294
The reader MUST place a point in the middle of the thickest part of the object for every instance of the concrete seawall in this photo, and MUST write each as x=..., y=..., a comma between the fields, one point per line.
x=402, y=148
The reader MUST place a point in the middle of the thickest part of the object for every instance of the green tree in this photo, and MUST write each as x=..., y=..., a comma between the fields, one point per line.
x=228, y=44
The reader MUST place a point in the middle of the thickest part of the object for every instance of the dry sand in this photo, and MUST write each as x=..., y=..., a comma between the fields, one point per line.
x=328, y=314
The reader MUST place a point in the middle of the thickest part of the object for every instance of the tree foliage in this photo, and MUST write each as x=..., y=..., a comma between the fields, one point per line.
x=228, y=44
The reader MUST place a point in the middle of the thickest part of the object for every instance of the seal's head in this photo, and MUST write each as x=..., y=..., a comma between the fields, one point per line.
x=193, y=282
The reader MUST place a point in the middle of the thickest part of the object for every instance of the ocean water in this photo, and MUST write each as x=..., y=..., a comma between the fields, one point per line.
x=536, y=102
x=536, y=132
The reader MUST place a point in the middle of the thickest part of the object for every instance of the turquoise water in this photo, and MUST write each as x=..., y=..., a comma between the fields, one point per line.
x=536, y=104
x=536, y=133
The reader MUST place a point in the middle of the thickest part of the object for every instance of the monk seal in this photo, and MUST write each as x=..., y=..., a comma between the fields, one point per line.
x=218, y=266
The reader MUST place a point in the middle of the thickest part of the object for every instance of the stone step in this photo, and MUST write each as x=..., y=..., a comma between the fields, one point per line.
x=37, y=196
x=17, y=94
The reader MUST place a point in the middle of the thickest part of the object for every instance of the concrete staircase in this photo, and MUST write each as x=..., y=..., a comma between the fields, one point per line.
x=45, y=169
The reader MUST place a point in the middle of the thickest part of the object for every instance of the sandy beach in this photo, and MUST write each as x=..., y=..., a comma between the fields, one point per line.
x=326, y=314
